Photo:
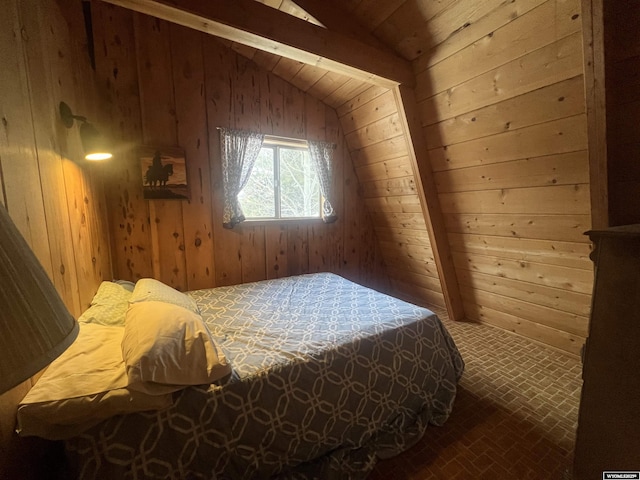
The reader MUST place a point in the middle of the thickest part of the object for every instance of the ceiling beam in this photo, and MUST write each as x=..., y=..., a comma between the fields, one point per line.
x=292, y=8
x=251, y=23
x=336, y=18
x=429, y=201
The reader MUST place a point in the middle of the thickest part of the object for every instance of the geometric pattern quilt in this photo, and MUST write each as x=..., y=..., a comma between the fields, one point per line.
x=327, y=377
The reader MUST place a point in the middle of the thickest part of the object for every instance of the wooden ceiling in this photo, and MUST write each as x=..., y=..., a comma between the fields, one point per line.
x=287, y=6
x=331, y=88
x=392, y=25
x=334, y=63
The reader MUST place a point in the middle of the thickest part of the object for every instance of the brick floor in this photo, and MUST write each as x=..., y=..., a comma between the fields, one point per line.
x=514, y=417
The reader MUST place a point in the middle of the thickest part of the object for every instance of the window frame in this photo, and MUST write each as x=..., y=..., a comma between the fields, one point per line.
x=277, y=143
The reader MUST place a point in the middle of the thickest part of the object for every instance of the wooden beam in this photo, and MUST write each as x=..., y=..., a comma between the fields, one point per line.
x=256, y=25
x=292, y=8
x=335, y=18
x=425, y=186
x=595, y=96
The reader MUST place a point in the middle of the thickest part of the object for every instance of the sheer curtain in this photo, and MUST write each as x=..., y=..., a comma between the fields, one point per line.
x=322, y=158
x=239, y=151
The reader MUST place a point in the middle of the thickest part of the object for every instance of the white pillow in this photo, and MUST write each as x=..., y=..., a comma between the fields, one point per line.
x=166, y=347
x=82, y=387
x=148, y=289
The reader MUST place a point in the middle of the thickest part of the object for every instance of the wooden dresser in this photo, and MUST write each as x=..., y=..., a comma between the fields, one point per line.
x=608, y=436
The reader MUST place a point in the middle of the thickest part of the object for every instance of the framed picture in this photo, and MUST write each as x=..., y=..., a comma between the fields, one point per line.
x=164, y=173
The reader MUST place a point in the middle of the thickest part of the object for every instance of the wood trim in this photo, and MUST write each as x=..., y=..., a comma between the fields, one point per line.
x=250, y=23
x=595, y=98
x=425, y=187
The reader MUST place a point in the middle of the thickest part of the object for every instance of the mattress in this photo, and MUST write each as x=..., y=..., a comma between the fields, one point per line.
x=327, y=377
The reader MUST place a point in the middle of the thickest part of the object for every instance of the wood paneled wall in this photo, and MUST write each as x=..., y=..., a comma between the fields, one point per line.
x=57, y=204
x=502, y=104
x=622, y=44
x=172, y=86
x=379, y=149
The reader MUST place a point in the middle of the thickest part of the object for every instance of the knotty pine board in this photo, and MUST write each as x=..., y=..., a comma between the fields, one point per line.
x=447, y=38
x=553, y=102
x=549, y=336
x=566, y=227
x=391, y=148
x=556, y=169
x=40, y=26
x=551, y=252
x=220, y=63
x=387, y=169
x=544, y=25
x=19, y=158
x=554, y=298
x=159, y=128
x=192, y=135
x=558, y=136
x=128, y=212
x=404, y=28
x=553, y=63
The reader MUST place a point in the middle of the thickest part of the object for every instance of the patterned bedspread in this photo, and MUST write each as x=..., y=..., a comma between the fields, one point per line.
x=328, y=375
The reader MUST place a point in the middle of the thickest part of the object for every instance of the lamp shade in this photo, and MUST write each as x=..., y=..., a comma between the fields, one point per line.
x=94, y=144
x=35, y=325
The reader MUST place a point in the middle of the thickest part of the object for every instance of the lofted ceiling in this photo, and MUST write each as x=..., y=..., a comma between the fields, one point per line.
x=377, y=23
x=287, y=6
x=330, y=87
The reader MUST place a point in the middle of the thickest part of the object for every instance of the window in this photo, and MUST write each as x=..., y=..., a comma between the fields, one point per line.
x=283, y=183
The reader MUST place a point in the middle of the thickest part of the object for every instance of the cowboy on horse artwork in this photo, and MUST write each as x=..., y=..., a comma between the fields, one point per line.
x=164, y=173
x=158, y=174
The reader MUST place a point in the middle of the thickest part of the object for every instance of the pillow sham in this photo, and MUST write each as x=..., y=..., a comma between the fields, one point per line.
x=167, y=347
x=148, y=289
x=109, y=305
x=86, y=384
x=109, y=293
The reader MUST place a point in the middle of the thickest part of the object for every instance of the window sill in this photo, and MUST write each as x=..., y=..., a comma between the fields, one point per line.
x=279, y=221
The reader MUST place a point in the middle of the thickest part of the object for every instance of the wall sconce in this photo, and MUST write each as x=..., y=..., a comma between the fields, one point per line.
x=94, y=145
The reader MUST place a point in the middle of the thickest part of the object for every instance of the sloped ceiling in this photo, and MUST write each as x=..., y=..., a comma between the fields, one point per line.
x=332, y=88
x=287, y=6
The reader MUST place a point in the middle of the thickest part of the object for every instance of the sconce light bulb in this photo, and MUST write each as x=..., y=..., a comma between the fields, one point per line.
x=98, y=156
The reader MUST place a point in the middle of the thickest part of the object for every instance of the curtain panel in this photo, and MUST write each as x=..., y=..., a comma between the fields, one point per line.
x=322, y=158
x=239, y=151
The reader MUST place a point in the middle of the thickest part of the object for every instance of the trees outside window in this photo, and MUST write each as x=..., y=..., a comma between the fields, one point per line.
x=283, y=185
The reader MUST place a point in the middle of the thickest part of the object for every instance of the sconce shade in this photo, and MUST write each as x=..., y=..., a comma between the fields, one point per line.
x=36, y=327
x=94, y=144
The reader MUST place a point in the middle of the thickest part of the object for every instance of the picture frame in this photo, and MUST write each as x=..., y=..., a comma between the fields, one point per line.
x=164, y=173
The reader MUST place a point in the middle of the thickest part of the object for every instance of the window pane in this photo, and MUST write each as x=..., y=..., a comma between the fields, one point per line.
x=299, y=187
x=257, y=198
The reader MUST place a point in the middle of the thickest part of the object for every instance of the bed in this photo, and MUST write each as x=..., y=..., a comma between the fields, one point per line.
x=326, y=376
